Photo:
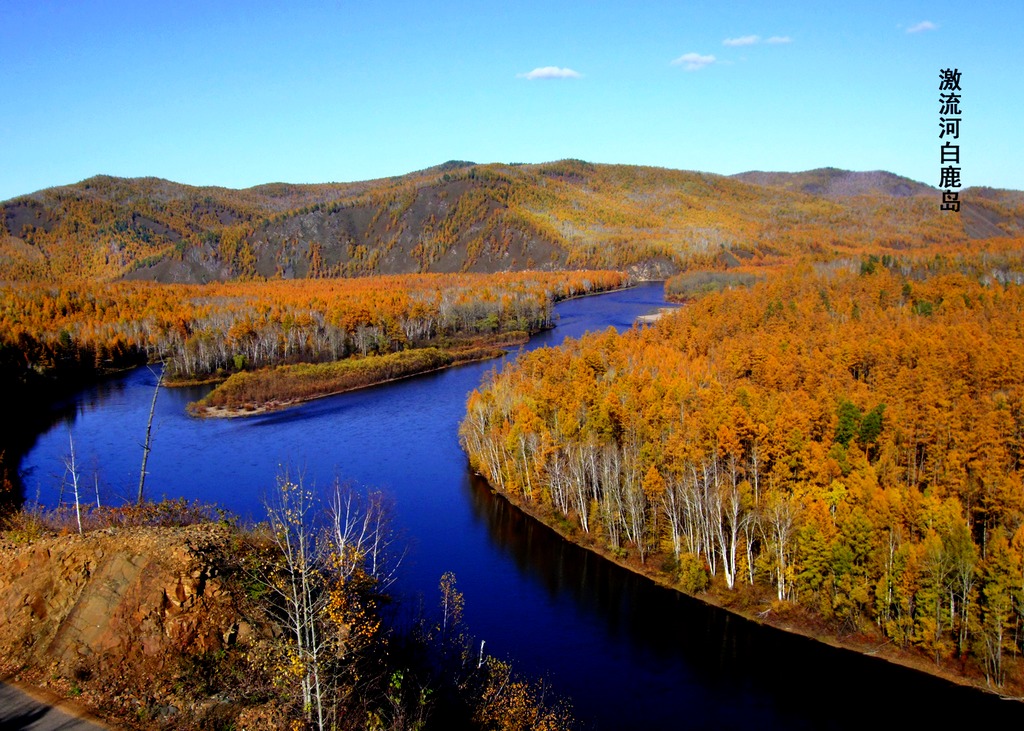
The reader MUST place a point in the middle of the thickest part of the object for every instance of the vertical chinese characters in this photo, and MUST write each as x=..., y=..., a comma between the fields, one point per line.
x=949, y=133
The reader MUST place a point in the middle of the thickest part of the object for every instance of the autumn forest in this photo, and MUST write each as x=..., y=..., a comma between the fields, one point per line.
x=827, y=432
x=847, y=437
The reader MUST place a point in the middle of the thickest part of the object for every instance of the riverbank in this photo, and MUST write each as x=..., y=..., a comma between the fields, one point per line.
x=270, y=389
x=759, y=605
x=158, y=617
x=654, y=316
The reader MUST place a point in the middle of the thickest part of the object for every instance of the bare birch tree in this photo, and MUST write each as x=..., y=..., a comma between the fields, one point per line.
x=300, y=587
x=71, y=473
x=147, y=445
x=326, y=582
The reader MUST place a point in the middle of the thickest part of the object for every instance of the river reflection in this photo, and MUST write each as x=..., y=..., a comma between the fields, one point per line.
x=707, y=669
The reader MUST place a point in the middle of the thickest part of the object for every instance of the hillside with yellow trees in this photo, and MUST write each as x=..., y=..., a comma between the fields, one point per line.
x=463, y=217
x=836, y=447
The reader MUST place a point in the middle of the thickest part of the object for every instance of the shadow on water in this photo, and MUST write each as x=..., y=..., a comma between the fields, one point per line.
x=714, y=669
x=28, y=418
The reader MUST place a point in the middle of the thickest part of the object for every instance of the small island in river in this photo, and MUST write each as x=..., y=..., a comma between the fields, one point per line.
x=247, y=393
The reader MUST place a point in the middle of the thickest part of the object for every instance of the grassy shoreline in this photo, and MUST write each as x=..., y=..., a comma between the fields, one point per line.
x=248, y=393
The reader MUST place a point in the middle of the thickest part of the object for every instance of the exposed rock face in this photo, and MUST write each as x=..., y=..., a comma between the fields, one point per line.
x=115, y=599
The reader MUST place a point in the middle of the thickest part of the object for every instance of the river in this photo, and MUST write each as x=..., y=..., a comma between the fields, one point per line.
x=629, y=655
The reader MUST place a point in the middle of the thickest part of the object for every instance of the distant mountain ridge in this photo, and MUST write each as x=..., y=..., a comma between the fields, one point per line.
x=461, y=216
x=836, y=183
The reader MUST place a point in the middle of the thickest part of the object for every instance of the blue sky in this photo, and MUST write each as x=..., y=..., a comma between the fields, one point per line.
x=238, y=94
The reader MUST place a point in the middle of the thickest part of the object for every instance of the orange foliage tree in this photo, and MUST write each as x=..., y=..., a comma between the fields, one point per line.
x=850, y=437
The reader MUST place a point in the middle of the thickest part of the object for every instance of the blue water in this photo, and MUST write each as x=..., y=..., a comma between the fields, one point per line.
x=629, y=654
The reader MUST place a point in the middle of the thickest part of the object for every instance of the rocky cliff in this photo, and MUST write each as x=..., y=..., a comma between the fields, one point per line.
x=133, y=620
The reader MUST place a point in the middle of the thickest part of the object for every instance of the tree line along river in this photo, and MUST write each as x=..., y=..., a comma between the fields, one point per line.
x=629, y=654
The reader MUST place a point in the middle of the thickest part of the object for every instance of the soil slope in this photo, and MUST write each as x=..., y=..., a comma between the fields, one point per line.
x=120, y=617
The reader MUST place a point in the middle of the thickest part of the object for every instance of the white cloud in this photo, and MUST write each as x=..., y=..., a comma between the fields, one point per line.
x=922, y=26
x=550, y=72
x=742, y=41
x=693, y=61
x=779, y=39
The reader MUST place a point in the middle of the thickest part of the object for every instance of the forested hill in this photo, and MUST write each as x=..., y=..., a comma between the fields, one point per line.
x=466, y=217
x=836, y=183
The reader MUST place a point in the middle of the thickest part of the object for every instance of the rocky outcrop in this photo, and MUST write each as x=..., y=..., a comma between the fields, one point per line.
x=116, y=599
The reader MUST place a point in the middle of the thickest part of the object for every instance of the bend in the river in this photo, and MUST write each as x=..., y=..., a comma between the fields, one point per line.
x=631, y=655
